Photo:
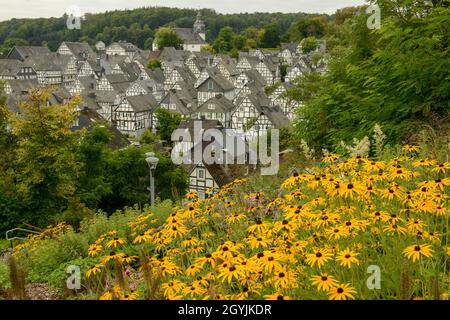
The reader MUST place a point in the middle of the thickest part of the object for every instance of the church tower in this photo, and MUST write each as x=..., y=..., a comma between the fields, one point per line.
x=200, y=27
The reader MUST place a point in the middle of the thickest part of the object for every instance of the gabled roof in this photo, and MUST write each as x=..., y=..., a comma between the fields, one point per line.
x=22, y=86
x=47, y=62
x=29, y=51
x=173, y=97
x=156, y=75
x=79, y=49
x=253, y=61
x=221, y=104
x=131, y=70
x=205, y=124
x=276, y=116
x=127, y=46
x=255, y=77
x=88, y=82
x=119, y=82
x=217, y=77
x=105, y=96
x=186, y=74
x=142, y=102
x=188, y=36
x=168, y=54
x=10, y=67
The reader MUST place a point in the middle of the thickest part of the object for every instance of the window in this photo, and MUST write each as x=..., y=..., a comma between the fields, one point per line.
x=201, y=173
x=210, y=86
x=211, y=107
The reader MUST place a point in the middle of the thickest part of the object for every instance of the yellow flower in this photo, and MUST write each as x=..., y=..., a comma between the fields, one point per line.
x=115, y=242
x=172, y=288
x=132, y=296
x=319, y=257
x=441, y=167
x=191, y=195
x=347, y=258
x=207, y=258
x=341, y=292
x=235, y=218
x=94, y=270
x=284, y=278
x=337, y=233
x=193, y=270
x=409, y=148
x=414, y=252
x=94, y=249
x=277, y=296
x=229, y=272
x=113, y=256
x=324, y=281
x=108, y=295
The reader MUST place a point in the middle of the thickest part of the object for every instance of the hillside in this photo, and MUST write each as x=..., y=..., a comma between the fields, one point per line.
x=136, y=26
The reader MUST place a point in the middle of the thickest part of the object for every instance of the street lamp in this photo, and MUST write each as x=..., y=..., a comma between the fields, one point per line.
x=152, y=163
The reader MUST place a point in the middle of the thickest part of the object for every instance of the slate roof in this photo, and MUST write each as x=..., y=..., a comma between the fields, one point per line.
x=142, y=103
x=29, y=51
x=215, y=75
x=22, y=86
x=276, y=116
x=222, y=105
x=255, y=77
x=10, y=67
x=131, y=70
x=78, y=49
x=188, y=36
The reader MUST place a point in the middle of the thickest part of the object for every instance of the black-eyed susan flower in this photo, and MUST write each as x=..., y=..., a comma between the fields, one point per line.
x=94, y=270
x=341, y=292
x=113, y=256
x=319, y=257
x=337, y=232
x=277, y=296
x=414, y=252
x=94, y=249
x=115, y=242
x=441, y=167
x=347, y=258
x=284, y=278
x=231, y=272
x=324, y=281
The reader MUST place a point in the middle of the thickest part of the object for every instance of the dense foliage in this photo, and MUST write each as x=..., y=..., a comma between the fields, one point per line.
x=139, y=26
x=52, y=172
x=397, y=76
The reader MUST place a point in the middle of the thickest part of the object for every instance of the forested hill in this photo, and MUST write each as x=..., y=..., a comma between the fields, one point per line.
x=136, y=26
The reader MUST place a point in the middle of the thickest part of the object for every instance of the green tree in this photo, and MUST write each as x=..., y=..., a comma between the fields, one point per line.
x=224, y=41
x=308, y=27
x=168, y=122
x=92, y=155
x=309, y=44
x=271, y=38
x=154, y=64
x=166, y=37
x=45, y=168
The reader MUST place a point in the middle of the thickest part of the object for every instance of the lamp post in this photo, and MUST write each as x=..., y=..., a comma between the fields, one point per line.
x=152, y=163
